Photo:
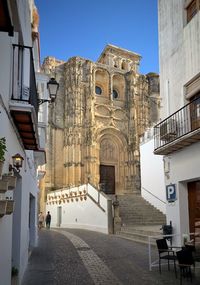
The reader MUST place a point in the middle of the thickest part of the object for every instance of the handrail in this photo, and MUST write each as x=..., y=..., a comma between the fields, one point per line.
x=153, y=195
x=97, y=203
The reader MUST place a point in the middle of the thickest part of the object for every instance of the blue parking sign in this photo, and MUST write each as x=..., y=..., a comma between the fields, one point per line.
x=171, y=192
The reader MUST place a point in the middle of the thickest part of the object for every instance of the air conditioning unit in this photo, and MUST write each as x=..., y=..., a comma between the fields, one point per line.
x=168, y=130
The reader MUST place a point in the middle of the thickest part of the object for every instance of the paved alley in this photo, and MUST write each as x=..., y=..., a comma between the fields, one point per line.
x=78, y=257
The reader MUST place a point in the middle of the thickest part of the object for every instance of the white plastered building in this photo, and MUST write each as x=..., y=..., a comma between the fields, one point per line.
x=19, y=60
x=177, y=136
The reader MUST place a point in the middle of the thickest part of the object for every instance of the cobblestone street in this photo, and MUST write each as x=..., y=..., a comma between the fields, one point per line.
x=74, y=257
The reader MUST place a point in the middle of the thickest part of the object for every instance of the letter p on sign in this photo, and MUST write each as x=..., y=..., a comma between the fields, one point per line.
x=171, y=192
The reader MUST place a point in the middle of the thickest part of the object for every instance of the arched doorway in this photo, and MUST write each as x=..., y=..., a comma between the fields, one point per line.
x=111, y=168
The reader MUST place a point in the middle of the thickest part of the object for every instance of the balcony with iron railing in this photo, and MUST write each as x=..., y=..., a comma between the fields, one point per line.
x=23, y=76
x=179, y=130
x=24, y=98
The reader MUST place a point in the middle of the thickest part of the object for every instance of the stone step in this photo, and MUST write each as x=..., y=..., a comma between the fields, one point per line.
x=145, y=230
x=141, y=213
x=140, y=221
x=124, y=207
x=141, y=233
x=141, y=210
x=143, y=216
x=145, y=221
x=136, y=205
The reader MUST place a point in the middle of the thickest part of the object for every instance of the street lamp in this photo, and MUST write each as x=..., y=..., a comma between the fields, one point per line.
x=52, y=87
x=17, y=162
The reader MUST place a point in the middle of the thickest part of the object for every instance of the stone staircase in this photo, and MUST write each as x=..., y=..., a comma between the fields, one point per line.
x=139, y=218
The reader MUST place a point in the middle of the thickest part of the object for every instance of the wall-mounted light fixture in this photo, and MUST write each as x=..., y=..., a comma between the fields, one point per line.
x=17, y=162
x=52, y=87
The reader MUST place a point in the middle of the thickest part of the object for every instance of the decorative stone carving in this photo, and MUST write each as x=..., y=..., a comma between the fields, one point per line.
x=97, y=129
x=108, y=150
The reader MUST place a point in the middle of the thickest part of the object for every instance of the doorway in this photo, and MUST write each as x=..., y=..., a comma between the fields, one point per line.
x=107, y=179
x=59, y=216
x=194, y=208
x=32, y=221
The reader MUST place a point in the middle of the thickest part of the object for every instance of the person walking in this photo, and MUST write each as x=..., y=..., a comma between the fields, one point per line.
x=40, y=220
x=48, y=220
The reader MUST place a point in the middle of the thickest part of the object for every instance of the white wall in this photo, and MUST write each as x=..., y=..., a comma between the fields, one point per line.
x=81, y=214
x=5, y=249
x=179, y=54
x=152, y=176
x=184, y=166
x=29, y=185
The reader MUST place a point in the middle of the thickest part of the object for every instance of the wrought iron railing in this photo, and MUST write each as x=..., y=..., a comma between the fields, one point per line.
x=184, y=121
x=23, y=76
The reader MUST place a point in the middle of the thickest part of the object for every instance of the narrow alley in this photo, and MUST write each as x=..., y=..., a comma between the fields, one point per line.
x=78, y=257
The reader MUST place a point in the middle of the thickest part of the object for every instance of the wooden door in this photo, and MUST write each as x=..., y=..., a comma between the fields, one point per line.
x=194, y=207
x=107, y=179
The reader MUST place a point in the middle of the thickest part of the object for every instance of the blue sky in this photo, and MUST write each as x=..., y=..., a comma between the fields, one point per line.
x=83, y=28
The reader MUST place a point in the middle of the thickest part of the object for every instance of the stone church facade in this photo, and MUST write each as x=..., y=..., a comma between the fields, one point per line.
x=101, y=110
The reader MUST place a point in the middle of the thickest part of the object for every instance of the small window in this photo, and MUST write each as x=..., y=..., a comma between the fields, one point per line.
x=115, y=64
x=195, y=111
x=115, y=94
x=123, y=65
x=192, y=9
x=98, y=90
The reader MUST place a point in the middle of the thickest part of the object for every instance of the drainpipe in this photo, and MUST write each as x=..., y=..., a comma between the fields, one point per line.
x=168, y=98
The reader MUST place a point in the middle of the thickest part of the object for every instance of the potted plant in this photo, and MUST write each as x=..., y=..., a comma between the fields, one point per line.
x=10, y=207
x=14, y=274
x=3, y=204
x=11, y=179
x=3, y=186
x=14, y=271
x=2, y=152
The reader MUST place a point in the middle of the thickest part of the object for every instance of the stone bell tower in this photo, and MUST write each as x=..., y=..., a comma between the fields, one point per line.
x=101, y=110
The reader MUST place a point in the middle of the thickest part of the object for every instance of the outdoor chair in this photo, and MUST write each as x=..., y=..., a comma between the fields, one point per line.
x=185, y=261
x=192, y=249
x=166, y=253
